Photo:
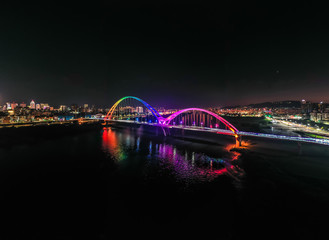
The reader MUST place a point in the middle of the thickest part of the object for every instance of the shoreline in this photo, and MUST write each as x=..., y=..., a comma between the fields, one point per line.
x=32, y=133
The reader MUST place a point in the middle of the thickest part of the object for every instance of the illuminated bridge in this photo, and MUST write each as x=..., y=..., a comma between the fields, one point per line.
x=131, y=109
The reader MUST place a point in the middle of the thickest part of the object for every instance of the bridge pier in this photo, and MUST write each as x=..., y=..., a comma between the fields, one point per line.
x=238, y=140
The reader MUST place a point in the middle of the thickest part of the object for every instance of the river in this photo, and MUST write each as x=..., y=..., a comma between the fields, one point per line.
x=115, y=182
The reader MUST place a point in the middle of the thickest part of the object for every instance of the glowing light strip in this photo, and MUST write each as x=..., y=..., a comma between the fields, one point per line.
x=229, y=125
x=153, y=111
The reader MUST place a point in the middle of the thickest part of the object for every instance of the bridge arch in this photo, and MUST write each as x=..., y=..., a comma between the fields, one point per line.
x=152, y=110
x=225, y=122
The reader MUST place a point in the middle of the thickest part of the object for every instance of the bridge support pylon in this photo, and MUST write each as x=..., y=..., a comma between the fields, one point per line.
x=238, y=140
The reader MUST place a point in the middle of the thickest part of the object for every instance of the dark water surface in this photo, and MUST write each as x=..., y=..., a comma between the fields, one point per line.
x=112, y=182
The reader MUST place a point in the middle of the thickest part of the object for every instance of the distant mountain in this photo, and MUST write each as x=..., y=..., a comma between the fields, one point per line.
x=280, y=104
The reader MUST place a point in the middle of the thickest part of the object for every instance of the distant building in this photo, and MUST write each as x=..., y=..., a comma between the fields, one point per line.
x=63, y=108
x=6, y=119
x=32, y=104
x=85, y=108
x=44, y=106
x=13, y=105
x=74, y=107
x=319, y=117
x=139, y=109
x=321, y=107
x=23, y=105
x=11, y=112
x=307, y=107
x=37, y=106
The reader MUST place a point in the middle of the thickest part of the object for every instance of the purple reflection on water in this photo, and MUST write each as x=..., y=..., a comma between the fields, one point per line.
x=183, y=164
x=196, y=166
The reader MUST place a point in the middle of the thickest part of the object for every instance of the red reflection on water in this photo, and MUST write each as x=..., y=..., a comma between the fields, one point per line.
x=110, y=141
x=184, y=165
x=235, y=154
x=229, y=147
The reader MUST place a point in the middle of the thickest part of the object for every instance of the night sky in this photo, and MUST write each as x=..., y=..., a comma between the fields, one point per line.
x=169, y=54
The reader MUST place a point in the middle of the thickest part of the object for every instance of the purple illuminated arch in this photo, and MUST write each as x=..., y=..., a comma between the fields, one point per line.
x=226, y=123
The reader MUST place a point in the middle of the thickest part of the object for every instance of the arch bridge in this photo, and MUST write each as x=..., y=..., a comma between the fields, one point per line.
x=193, y=118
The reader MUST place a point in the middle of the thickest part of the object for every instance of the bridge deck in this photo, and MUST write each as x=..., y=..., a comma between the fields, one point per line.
x=241, y=133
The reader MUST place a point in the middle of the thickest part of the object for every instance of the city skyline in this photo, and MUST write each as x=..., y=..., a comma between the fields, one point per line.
x=27, y=103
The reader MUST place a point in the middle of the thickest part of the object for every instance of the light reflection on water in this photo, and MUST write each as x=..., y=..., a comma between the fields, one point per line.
x=183, y=164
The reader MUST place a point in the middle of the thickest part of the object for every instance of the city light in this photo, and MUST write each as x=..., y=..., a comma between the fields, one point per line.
x=40, y=112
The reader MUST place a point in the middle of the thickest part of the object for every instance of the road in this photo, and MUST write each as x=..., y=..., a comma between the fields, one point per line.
x=289, y=126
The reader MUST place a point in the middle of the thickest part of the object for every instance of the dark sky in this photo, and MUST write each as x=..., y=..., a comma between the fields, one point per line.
x=169, y=54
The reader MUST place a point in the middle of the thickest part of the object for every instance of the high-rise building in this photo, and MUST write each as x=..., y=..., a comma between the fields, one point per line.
x=32, y=104
x=307, y=107
x=63, y=108
x=321, y=107
x=13, y=105
x=74, y=107
x=139, y=109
